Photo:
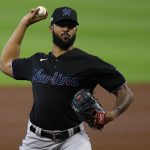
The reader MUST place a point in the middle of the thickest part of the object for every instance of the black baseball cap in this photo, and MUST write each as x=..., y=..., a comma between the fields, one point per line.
x=64, y=14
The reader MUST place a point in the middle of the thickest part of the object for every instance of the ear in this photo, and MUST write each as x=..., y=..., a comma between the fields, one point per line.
x=51, y=28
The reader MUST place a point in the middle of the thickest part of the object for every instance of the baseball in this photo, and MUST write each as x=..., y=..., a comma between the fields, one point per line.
x=42, y=11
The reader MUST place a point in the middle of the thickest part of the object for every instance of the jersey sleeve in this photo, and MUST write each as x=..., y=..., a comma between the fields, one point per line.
x=108, y=76
x=22, y=68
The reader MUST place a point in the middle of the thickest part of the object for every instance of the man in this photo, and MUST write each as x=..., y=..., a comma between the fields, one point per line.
x=55, y=79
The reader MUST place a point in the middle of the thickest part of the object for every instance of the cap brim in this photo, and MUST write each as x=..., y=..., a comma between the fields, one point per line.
x=67, y=21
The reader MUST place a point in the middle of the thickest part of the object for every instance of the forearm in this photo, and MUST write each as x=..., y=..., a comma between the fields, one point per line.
x=12, y=48
x=124, y=98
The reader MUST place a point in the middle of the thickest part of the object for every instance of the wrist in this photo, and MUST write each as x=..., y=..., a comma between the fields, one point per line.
x=116, y=112
x=24, y=23
x=109, y=116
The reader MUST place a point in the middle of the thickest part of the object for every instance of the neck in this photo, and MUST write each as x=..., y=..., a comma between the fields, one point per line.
x=57, y=51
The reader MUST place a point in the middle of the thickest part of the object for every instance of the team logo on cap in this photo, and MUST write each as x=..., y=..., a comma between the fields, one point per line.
x=66, y=12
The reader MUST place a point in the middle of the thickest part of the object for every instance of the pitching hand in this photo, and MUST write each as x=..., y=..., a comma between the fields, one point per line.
x=32, y=17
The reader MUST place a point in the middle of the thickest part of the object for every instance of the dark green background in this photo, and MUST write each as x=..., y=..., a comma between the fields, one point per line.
x=118, y=31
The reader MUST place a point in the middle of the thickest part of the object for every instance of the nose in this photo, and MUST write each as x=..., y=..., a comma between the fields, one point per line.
x=66, y=28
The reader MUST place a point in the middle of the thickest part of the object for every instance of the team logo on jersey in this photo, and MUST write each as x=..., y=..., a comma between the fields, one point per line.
x=55, y=79
x=66, y=12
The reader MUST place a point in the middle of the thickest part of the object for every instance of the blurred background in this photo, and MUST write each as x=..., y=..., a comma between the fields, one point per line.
x=117, y=31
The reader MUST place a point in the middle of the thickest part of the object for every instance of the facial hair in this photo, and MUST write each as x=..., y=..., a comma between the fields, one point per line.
x=64, y=45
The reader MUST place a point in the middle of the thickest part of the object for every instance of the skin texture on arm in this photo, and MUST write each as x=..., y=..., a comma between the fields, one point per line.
x=124, y=98
x=12, y=48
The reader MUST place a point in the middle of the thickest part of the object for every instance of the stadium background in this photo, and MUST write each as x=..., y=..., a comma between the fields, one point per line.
x=118, y=31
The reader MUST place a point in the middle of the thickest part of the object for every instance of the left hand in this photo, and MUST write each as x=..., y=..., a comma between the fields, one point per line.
x=88, y=109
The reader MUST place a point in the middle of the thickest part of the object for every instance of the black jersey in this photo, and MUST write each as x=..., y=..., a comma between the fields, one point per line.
x=56, y=80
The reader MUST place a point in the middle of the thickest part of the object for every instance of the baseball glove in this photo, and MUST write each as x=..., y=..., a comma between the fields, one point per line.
x=88, y=109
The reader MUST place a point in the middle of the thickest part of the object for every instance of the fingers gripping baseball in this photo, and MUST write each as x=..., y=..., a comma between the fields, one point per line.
x=35, y=15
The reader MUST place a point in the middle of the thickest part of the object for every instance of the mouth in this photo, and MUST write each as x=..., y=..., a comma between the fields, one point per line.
x=65, y=36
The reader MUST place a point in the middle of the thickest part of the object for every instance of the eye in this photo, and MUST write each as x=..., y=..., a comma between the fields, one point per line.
x=71, y=26
x=68, y=26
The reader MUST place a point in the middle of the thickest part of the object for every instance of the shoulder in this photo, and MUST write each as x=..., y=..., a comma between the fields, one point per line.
x=83, y=53
x=29, y=60
x=96, y=60
x=87, y=55
x=39, y=55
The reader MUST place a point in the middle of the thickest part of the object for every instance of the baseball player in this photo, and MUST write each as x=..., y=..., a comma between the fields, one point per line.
x=55, y=78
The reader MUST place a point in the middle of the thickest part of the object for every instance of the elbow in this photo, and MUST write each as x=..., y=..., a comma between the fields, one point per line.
x=131, y=96
x=0, y=65
x=5, y=67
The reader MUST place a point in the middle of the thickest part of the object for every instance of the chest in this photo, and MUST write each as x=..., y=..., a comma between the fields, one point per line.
x=61, y=72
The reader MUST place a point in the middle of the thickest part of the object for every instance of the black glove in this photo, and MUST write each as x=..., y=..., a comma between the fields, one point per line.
x=88, y=109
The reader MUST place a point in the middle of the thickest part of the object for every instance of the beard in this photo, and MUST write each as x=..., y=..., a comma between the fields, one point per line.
x=63, y=44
